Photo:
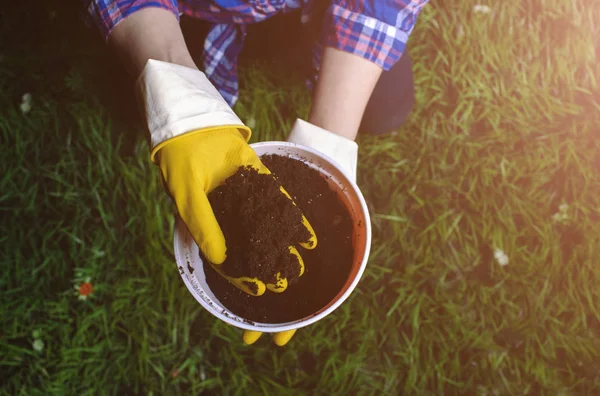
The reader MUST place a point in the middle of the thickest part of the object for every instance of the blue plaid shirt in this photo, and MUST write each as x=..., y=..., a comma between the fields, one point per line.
x=376, y=30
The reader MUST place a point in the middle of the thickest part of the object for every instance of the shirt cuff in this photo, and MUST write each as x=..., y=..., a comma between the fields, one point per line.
x=365, y=36
x=106, y=14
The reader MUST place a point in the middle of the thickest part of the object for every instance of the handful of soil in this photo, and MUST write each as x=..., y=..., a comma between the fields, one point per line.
x=248, y=199
x=259, y=224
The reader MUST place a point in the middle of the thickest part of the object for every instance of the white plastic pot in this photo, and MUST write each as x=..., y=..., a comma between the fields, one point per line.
x=191, y=266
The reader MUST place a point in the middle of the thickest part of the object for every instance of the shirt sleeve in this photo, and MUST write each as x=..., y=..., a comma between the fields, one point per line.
x=106, y=14
x=376, y=30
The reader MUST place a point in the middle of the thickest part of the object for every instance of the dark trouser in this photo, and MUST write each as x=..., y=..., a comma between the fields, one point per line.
x=391, y=100
x=283, y=38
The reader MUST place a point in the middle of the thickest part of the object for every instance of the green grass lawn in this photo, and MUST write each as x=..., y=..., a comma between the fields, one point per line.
x=501, y=153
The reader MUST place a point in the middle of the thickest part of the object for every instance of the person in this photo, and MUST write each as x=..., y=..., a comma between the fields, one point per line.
x=362, y=82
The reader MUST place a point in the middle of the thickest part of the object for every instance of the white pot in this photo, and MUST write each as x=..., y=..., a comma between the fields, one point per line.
x=187, y=254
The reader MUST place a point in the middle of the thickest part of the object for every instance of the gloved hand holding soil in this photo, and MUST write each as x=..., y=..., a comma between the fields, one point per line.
x=195, y=165
x=260, y=223
x=262, y=229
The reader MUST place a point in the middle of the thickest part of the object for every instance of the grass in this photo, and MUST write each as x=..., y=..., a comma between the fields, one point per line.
x=506, y=129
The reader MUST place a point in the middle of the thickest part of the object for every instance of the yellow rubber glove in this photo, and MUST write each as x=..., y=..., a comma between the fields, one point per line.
x=198, y=141
x=194, y=164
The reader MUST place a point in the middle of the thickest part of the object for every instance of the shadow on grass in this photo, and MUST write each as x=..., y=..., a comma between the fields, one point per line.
x=51, y=53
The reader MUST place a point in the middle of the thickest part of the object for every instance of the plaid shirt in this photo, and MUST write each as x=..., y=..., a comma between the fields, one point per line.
x=376, y=30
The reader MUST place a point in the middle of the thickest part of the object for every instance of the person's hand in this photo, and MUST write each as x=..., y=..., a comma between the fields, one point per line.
x=198, y=142
x=194, y=164
x=195, y=135
x=340, y=149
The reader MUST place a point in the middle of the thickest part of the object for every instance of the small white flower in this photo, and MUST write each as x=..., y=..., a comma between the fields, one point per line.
x=501, y=257
x=26, y=103
x=202, y=374
x=38, y=345
x=562, y=216
x=482, y=9
x=460, y=31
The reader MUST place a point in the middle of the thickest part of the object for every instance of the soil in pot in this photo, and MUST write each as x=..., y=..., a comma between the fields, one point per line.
x=259, y=224
x=249, y=204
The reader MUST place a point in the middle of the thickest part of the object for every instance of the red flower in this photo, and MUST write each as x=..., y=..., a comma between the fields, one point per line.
x=85, y=289
x=175, y=373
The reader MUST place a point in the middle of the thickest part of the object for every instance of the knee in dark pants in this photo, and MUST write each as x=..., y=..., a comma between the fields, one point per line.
x=392, y=99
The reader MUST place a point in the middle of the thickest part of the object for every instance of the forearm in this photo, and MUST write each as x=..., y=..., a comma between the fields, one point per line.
x=343, y=89
x=151, y=33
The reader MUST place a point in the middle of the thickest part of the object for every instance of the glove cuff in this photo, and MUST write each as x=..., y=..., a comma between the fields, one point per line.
x=342, y=150
x=175, y=100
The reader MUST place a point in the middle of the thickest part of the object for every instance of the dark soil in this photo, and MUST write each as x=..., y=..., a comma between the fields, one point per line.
x=326, y=266
x=259, y=224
